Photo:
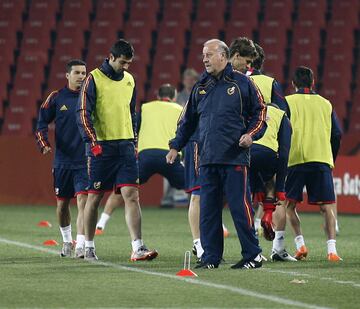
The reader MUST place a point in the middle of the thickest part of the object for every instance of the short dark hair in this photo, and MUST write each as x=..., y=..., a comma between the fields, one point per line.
x=259, y=60
x=73, y=62
x=122, y=48
x=303, y=77
x=244, y=46
x=167, y=91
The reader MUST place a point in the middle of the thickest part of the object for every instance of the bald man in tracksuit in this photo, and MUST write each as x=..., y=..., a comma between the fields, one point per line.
x=230, y=114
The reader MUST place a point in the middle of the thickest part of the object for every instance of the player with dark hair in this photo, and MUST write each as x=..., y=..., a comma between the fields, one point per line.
x=314, y=122
x=107, y=122
x=69, y=166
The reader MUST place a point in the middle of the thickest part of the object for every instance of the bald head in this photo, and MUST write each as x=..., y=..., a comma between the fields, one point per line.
x=216, y=55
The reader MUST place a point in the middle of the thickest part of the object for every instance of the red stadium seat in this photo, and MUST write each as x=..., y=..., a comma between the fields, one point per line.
x=279, y=10
x=241, y=26
x=178, y=11
x=17, y=122
x=346, y=10
x=211, y=11
x=11, y=14
x=112, y=11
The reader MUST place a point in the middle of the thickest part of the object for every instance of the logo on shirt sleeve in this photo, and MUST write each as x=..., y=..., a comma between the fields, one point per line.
x=202, y=91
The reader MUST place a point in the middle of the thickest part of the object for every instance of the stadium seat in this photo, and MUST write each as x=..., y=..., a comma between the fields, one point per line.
x=11, y=14
x=312, y=13
x=112, y=11
x=17, y=122
x=280, y=11
x=211, y=11
x=179, y=12
x=345, y=10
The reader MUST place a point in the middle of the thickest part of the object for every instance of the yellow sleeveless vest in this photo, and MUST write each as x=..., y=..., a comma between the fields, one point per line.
x=273, y=120
x=311, y=125
x=265, y=85
x=112, y=116
x=158, y=124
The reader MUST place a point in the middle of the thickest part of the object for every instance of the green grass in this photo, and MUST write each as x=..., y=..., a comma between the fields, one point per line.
x=30, y=278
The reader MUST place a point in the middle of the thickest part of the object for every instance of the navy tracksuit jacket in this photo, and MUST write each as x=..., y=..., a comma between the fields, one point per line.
x=223, y=110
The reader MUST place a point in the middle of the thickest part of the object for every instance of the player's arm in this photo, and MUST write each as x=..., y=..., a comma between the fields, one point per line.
x=336, y=134
x=85, y=108
x=284, y=140
x=187, y=123
x=256, y=110
x=47, y=115
x=277, y=97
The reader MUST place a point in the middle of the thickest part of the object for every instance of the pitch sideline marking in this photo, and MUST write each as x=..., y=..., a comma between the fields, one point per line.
x=241, y=291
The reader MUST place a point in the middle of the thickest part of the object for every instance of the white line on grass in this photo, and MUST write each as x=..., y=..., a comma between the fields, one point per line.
x=276, y=299
x=297, y=274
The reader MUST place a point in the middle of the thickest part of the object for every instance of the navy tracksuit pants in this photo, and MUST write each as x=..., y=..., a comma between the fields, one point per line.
x=217, y=180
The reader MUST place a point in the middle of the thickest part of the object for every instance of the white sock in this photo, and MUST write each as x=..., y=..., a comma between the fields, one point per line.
x=80, y=241
x=103, y=220
x=299, y=241
x=89, y=244
x=199, y=248
x=66, y=233
x=257, y=223
x=279, y=241
x=331, y=246
x=258, y=258
x=136, y=244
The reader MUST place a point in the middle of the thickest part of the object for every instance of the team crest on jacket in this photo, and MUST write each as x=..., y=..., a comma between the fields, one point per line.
x=202, y=91
x=231, y=90
x=97, y=185
x=63, y=108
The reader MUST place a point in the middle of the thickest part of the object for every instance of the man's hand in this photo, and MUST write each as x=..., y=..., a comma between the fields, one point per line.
x=245, y=141
x=46, y=150
x=96, y=150
x=171, y=156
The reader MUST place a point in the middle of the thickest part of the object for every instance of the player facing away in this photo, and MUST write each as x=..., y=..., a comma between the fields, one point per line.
x=107, y=122
x=225, y=135
x=314, y=146
x=69, y=166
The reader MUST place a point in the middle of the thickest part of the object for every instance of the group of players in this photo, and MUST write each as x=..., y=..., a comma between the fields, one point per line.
x=123, y=150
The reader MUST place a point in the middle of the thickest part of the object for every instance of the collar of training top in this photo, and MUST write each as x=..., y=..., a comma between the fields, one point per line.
x=107, y=69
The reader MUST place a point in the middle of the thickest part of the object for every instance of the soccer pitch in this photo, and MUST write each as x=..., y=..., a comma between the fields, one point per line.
x=34, y=276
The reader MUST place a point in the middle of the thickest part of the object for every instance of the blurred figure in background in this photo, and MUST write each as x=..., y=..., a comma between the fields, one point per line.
x=190, y=77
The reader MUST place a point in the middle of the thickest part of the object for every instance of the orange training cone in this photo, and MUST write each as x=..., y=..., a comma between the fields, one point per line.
x=186, y=272
x=99, y=232
x=50, y=242
x=44, y=224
